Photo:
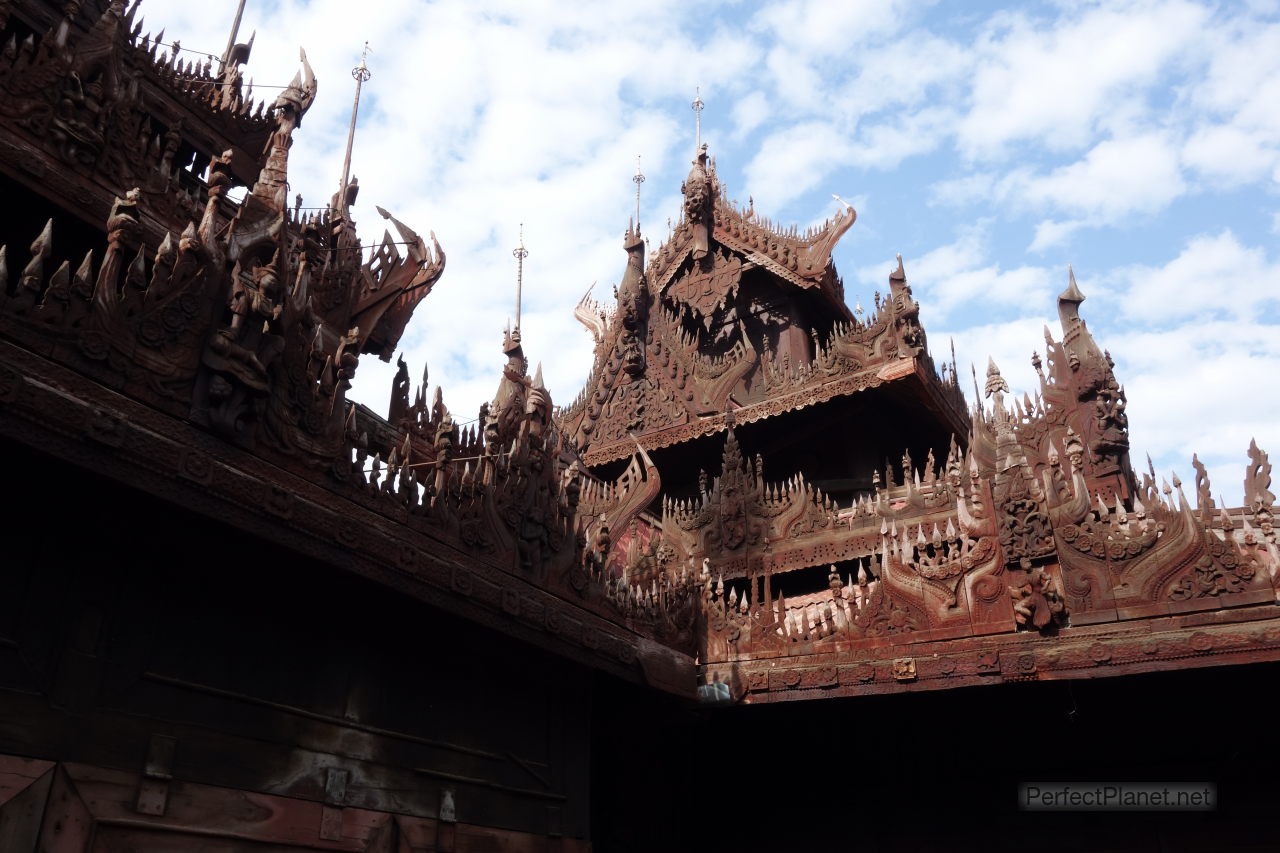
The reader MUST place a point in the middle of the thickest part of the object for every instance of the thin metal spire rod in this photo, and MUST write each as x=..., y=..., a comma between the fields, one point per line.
x=361, y=73
x=638, y=179
x=231, y=39
x=520, y=253
x=697, y=118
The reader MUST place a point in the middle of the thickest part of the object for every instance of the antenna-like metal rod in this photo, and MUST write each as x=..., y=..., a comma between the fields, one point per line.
x=638, y=179
x=361, y=73
x=231, y=39
x=520, y=253
x=697, y=118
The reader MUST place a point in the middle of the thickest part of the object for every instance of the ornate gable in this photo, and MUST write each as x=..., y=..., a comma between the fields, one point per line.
x=737, y=320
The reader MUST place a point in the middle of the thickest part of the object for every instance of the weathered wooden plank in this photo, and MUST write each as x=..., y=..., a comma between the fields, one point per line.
x=24, y=791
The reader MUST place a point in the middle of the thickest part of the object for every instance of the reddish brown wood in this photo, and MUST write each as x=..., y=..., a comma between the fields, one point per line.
x=792, y=493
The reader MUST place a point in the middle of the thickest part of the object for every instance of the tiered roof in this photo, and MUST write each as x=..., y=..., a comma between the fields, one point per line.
x=675, y=360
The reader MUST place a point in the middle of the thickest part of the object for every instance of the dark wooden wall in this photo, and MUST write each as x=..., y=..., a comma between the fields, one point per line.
x=940, y=771
x=126, y=623
x=123, y=619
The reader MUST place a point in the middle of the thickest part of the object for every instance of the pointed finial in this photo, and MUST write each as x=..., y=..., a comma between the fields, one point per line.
x=697, y=106
x=1072, y=293
x=361, y=72
x=519, y=253
x=899, y=274
x=995, y=382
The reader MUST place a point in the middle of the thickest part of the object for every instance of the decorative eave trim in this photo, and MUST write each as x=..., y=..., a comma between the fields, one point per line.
x=68, y=416
x=799, y=399
x=1251, y=636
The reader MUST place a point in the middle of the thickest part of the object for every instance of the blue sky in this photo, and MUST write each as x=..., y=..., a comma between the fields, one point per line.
x=991, y=144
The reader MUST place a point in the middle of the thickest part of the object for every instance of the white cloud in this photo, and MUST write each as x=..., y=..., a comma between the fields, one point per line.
x=750, y=112
x=959, y=275
x=1231, y=156
x=1116, y=179
x=1241, y=78
x=1213, y=276
x=794, y=160
x=963, y=190
x=1055, y=81
x=825, y=28
x=1050, y=234
x=885, y=145
x=903, y=71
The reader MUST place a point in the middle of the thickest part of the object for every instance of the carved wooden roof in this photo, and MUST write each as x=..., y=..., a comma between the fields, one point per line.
x=211, y=366
x=664, y=371
x=93, y=107
x=235, y=347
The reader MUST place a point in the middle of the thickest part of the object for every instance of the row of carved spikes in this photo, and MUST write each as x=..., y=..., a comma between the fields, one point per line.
x=579, y=402
x=749, y=216
x=1137, y=515
x=193, y=78
x=136, y=285
x=1157, y=498
x=889, y=528
x=1054, y=457
x=796, y=488
x=1026, y=409
x=914, y=484
x=715, y=589
x=189, y=78
x=410, y=480
x=1222, y=525
x=658, y=596
x=791, y=232
x=467, y=440
x=794, y=232
x=948, y=376
x=595, y=491
x=836, y=609
x=424, y=420
x=947, y=550
x=300, y=217
x=633, y=599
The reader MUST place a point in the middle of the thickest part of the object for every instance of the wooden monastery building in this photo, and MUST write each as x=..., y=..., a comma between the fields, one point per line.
x=692, y=609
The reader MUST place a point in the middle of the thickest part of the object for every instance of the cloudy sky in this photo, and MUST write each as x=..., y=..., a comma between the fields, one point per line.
x=991, y=144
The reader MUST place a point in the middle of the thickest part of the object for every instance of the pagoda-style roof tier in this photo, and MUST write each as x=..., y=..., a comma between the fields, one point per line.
x=211, y=368
x=1034, y=539
x=735, y=321
x=685, y=424
x=801, y=258
x=92, y=107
